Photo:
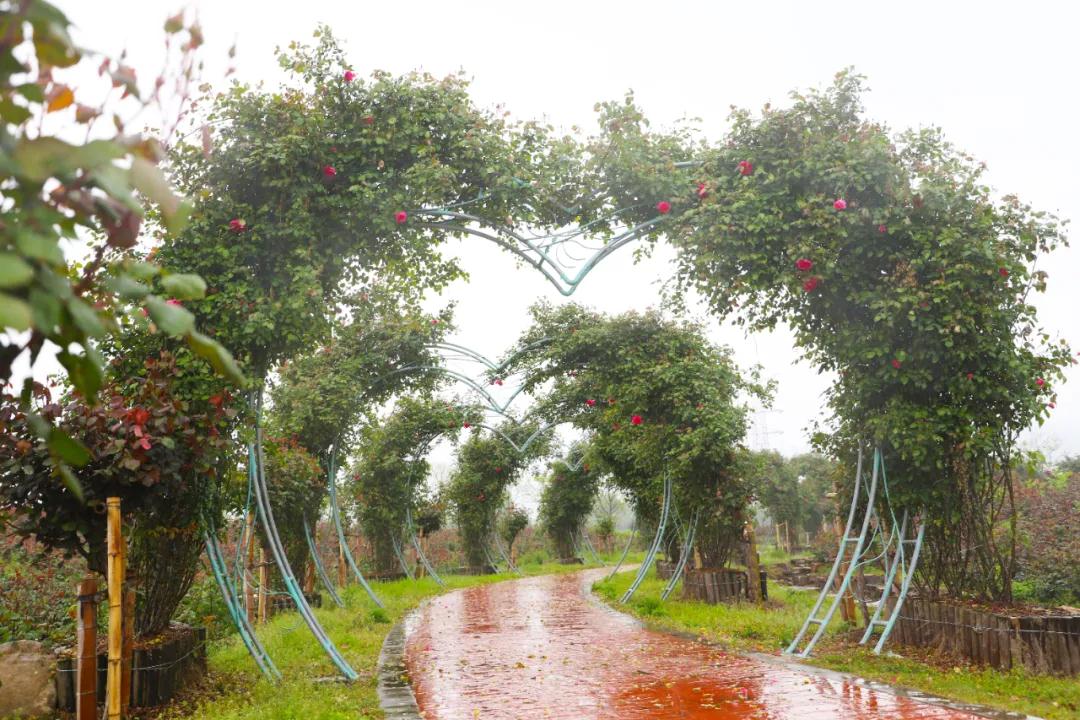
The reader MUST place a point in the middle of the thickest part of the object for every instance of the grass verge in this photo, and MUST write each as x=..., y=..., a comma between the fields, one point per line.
x=770, y=629
x=235, y=690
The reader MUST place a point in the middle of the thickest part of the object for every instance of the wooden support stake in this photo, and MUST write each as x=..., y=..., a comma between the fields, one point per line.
x=341, y=565
x=128, y=654
x=753, y=567
x=116, y=610
x=249, y=591
x=86, y=667
x=309, y=577
x=263, y=582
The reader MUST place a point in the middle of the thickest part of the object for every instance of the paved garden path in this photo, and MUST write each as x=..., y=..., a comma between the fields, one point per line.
x=540, y=648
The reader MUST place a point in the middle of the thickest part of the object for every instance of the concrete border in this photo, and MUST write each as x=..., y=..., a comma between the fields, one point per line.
x=395, y=691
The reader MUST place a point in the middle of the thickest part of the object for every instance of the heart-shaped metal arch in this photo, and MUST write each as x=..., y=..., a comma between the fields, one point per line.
x=538, y=249
x=536, y=252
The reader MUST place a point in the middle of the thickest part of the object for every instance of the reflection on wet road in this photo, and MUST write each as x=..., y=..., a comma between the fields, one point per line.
x=539, y=648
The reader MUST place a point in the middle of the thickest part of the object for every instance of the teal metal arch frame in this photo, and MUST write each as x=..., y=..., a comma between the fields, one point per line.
x=684, y=556
x=650, y=556
x=504, y=555
x=896, y=540
x=537, y=252
x=405, y=567
x=237, y=613
x=335, y=513
x=266, y=514
x=625, y=552
x=412, y=534
x=859, y=540
x=590, y=547
x=320, y=569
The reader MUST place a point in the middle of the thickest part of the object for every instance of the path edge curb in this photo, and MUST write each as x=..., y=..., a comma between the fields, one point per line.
x=396, y=697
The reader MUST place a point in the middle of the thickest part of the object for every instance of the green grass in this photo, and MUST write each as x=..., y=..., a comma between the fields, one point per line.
x=739, y=626
x=236, y=690
x=748, y=627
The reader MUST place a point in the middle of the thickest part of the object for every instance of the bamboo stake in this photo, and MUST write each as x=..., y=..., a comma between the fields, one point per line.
x=753, y=569
x=127, y=640
x=116, y=611
x=86, y=667
x=263, y=581
x=128, y=649
x=341, y=565
x=249, y=591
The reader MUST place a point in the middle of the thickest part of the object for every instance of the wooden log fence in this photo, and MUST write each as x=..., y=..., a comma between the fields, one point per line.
x=1048, y=644
x=159, y=672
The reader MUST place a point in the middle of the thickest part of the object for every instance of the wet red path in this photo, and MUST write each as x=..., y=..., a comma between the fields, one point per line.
x=539, y=648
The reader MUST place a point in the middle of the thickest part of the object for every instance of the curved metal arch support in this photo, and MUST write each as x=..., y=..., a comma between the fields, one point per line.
x=236, y=612
x=320, y=569
x=577, y=549
x=410, y=531
x=262, y=499
x=905, y=586
x=625, y=552
x=483, y=359
x=687, y=550
x=587, y=541
x=490, y=560
x=650, y=556
x=401, y=558
x=895, y=541
x=335, y=513
x=822, y=622
x=532, y=253
x=503, y=554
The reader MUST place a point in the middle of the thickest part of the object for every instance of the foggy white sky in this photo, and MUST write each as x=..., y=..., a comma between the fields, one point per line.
x=998, y=77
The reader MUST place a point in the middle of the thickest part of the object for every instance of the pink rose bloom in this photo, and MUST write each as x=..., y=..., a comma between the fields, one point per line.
x=840, y=204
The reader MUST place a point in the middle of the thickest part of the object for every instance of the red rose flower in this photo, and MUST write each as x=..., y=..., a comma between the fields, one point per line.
x=745, y=168
x=590, y=402
x=635, y=419
x=1003, y=272
x=237, y=225
x=840, y=204
x=174, y=302
x=811, y=284
x=465, y=425
x=804, y=264
x=971, y=376
x=882, y=229
x=1039, y=382
x=896, y=363
x=329, y=171
x=663, y=207
x=702, y=190
x=349, y=76
x=369, y=119
x=216, y=401
x=498, y=469
x=400, y=217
